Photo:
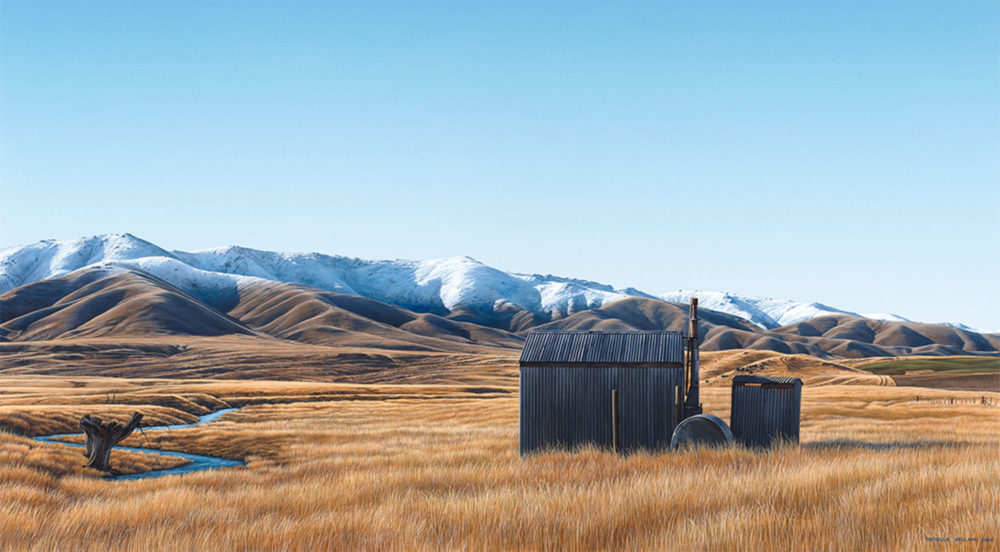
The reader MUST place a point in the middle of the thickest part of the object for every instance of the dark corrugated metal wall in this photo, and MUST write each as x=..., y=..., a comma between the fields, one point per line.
x=765, y=412
x=566, y=406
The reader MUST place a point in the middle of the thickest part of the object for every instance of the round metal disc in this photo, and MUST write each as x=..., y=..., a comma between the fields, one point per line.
x=703, y=429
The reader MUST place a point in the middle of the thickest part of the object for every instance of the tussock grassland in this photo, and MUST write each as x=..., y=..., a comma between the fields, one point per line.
x=349, y=467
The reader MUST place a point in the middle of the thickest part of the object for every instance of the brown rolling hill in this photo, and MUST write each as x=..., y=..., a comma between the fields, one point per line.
x=132, y=322
x=891, y=338
x=318, y=317
x=841, y=336
x=719, y=367
x=638, y=313
x=99, y=303
x=111, y=303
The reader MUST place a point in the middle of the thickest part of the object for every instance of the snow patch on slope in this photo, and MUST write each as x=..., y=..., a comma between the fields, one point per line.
x=885, y=317
x=960, y=326
x=433, y=285
x=213, y=288
x=764, y=312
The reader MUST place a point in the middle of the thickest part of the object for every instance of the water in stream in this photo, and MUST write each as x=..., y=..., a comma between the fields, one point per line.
x=197, y=462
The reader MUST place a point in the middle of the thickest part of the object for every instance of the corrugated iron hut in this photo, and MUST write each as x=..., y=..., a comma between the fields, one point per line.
x=622, y=390
x=765, y=409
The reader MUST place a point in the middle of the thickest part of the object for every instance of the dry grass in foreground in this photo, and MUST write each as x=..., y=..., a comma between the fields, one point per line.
x=420, y=468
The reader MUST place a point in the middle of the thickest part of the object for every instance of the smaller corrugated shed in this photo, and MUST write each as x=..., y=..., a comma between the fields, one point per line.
x=765, y=410
x=617, y=348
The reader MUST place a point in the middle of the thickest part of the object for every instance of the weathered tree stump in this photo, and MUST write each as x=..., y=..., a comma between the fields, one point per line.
x=101, y=437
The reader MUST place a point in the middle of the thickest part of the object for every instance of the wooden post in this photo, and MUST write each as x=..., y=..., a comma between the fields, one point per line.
x=678, y=406
x=614, y=420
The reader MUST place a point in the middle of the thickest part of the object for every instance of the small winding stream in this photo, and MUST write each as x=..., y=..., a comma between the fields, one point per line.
x=197, y=462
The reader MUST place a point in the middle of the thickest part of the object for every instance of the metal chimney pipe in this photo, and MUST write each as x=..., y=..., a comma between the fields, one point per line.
x=692, y=404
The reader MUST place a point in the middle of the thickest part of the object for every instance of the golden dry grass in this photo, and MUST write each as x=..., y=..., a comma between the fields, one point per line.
x=385, y=467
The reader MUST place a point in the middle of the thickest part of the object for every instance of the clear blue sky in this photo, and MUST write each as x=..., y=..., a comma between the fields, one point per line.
x=847, y=153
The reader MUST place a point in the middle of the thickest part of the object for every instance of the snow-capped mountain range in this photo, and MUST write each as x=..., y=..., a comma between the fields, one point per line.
x=436, y=285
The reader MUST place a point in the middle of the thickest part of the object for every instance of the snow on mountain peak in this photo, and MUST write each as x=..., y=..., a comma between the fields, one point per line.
x=50, y=258
x=434, y=285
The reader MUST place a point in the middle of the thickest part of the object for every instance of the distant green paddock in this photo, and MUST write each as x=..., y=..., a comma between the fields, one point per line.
x=950, y=366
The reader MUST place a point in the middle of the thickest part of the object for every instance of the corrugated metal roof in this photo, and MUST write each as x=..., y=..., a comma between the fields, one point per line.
x=603, y=347
x=764, y=380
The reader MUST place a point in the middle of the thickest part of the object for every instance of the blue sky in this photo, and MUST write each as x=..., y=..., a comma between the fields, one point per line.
x=847, y=153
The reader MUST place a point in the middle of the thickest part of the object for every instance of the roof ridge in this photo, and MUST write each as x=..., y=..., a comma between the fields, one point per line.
x=605, y=332
x=746, y=378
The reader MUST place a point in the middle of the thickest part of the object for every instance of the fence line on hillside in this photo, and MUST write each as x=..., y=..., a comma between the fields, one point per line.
x=981, y=401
